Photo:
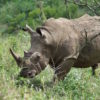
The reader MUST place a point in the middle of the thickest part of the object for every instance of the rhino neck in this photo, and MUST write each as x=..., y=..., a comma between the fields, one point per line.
x=59, y=37
x=57, y=54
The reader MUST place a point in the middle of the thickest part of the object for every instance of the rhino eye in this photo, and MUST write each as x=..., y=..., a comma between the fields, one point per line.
x=35, y=57
x=28, y=54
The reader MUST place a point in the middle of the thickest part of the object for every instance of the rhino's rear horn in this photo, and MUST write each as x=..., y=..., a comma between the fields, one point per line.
x=16, y=57
x=25, y=52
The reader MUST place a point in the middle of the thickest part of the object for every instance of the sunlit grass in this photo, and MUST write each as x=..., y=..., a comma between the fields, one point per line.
x=78, y=85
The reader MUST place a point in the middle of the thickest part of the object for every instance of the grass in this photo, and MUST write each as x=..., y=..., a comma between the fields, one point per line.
x=79, y=84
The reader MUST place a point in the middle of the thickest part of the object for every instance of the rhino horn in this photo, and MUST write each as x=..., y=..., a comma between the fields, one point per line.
x=17, y=58
x=29, y=30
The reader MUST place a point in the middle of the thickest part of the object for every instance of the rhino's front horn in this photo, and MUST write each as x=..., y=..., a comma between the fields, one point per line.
x=16, y=57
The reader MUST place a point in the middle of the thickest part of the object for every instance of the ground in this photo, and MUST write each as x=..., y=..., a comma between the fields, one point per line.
x=79, y=84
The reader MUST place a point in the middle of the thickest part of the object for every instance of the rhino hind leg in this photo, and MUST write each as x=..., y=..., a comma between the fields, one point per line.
x=94, y=67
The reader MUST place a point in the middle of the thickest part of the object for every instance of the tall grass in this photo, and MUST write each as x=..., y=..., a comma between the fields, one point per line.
x=79, y=84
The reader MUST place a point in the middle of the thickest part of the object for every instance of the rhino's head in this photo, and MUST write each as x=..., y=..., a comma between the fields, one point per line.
x=36, y=58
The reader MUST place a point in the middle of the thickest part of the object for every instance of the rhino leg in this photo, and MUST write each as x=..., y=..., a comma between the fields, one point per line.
x=94, y=67
x=63, y=69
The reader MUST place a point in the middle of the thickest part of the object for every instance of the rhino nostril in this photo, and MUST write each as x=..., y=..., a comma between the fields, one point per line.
x=29, y=73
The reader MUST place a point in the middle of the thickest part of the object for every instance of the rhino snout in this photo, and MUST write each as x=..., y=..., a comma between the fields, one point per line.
x=26, y=73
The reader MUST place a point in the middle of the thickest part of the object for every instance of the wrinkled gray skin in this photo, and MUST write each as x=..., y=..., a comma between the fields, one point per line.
x=63, y=44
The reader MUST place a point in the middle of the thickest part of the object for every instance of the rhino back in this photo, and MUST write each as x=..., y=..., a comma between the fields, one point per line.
x=90, y=53
x=74, y=33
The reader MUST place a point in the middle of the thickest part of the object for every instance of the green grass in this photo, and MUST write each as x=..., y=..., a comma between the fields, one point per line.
x=79, y=84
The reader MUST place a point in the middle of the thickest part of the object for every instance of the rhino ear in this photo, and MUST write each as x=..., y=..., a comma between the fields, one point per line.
x=29, y=30
x=45, y=34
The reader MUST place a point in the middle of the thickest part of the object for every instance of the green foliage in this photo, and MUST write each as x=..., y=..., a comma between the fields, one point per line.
x=49, y=12
x=11, y=29
x=35, y=13
x=19, y=12
x=54, y=12
x=72, y=11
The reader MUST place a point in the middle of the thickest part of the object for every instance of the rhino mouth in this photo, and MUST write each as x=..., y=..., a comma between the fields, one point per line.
x=26, y=73
x=30, y=72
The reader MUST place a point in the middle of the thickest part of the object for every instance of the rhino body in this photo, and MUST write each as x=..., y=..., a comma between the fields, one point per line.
x=65, y=43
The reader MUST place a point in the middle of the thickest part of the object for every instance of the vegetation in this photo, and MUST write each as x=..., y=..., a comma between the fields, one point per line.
x=15, y=13
x=79, y=83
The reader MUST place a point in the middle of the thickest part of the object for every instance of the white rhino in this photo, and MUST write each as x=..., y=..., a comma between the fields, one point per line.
x=63, y=44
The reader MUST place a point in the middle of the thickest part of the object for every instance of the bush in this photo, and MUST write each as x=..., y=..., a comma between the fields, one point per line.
x=34, y=13
x=50, y=12
x=72, y=11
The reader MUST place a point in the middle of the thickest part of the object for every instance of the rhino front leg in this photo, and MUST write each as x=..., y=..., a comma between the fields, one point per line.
x=63, y=69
